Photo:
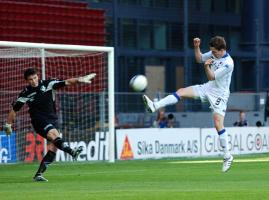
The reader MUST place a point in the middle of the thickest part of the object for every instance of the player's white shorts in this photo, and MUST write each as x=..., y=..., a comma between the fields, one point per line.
x=218, y=103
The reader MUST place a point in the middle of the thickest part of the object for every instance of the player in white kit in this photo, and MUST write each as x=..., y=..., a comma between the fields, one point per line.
x=218, y=66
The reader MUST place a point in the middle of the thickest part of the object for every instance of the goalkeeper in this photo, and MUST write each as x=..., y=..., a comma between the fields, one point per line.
x=39, y=96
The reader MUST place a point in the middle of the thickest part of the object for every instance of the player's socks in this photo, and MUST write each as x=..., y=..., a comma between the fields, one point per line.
x=228, y=158
x=168, y=100
x=59, y=143
x=224, y=143
x=48, y=159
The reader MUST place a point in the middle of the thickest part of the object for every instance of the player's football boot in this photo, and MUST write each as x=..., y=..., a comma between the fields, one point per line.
x=227, y=163
x=76, y=152
x=39, y=178
x=149, y=104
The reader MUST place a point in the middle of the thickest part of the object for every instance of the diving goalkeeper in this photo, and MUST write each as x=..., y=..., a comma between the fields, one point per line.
x=39, y=96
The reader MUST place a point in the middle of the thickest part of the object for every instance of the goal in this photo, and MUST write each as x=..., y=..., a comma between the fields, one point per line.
x=86, y=111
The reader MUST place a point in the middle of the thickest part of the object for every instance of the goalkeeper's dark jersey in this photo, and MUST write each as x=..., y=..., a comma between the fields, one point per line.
x=41, y=99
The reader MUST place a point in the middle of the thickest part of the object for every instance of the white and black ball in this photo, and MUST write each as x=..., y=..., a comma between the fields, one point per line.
x=138, y=83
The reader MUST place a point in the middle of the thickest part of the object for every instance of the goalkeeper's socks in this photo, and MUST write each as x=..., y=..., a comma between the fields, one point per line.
x=60, y=144
x=168, y=100
x=224, y=142
x=48, y=159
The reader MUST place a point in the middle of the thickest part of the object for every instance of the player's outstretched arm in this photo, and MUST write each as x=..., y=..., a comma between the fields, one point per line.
x=8, y=125
x=209, y=73
x=83, y=79
x=197, y=51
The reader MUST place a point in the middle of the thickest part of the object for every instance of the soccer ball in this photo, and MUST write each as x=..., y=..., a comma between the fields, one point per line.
x=138, y=83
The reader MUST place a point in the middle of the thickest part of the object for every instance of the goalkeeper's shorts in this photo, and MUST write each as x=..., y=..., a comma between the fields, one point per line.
x=42, y=126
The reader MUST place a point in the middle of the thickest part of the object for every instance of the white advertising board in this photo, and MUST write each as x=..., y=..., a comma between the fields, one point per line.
x=242, y=140
x=93, y=150
x=157, y=143
x=148, y=143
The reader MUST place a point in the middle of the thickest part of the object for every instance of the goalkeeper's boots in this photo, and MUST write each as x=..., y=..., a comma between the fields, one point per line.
x=76, y=152
x=227, y=163
x=39, y=178
x=149, y=104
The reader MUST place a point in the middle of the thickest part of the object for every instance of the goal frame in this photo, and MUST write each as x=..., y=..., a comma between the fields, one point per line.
x=111, y=89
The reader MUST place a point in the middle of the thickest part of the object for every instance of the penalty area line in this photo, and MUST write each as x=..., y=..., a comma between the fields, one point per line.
x=220, y=161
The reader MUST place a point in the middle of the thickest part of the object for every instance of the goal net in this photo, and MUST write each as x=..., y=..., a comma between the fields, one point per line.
x=85, y=111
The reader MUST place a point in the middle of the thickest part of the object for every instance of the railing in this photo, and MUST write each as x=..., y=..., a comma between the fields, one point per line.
x=130, y=111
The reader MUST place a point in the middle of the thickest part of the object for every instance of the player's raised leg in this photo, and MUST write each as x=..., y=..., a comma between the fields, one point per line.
x=223, y=136
x=171, y=99
x=54, y=136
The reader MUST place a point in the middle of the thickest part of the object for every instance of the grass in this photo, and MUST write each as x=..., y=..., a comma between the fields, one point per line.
x=137, y=180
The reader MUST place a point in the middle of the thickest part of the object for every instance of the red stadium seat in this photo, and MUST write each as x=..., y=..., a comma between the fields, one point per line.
x=52, y=21
x=55, y=2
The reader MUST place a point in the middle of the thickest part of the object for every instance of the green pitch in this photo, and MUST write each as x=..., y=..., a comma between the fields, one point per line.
x=137, y=180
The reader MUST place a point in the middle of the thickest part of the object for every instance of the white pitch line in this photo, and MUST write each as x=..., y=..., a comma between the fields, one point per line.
x=219, y=161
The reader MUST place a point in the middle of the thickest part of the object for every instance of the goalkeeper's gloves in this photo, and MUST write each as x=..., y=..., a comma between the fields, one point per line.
x=87, y=78
x=7, y=129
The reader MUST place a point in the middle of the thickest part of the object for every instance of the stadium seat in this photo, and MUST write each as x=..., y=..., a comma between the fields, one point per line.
x=55, y=2
x=54, y=21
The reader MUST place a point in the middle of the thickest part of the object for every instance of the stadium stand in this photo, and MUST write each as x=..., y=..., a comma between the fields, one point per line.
x=52, y=21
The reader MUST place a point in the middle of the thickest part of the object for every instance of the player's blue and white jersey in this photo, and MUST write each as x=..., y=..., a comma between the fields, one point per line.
x=223, y=69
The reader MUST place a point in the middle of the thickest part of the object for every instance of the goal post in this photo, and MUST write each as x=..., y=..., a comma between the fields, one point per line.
x=84, y=110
